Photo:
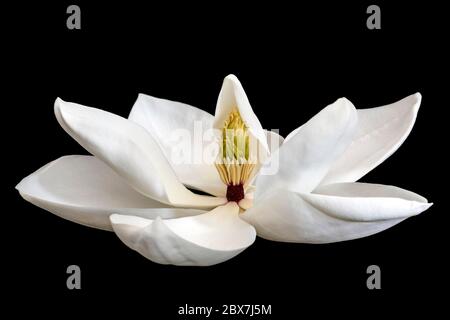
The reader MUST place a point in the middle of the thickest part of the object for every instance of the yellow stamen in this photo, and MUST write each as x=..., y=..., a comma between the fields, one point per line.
x=235, y=165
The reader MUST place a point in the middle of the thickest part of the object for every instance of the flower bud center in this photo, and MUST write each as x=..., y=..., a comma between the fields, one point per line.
x=234, y=164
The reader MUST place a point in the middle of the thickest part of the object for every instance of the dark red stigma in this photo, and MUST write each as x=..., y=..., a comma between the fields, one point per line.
x=235, y=193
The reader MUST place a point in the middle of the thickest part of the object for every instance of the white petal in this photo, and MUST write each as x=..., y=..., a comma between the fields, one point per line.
x=181, y=128
x=130, y=151
x=202, y=240
x=274, y=140
x=341, y=212
x=83, y=189
x=380, y=133
x=246, y=203
x=231, y=96
x=306, y=157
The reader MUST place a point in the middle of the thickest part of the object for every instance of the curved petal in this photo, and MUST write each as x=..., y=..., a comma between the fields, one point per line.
x=340, y=212
x=83, y=189
x=203, y=240
x=130, y=151
x=231, y=96
x=181, y=131
x=380, y=132
x=305, y=158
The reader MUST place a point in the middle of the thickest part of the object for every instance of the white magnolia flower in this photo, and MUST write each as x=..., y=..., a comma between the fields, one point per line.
x=132, y=186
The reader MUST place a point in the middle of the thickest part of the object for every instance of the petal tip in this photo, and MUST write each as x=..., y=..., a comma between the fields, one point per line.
x=21, y=192
x=421, y=207
x=142, y=96
x=57, y=104
x=58, y=100
x=346, y=103
x=412, y=101
x=17, y=186
x=231, y=77
x=427, y=205
x=344, y=109
x=59, y=107
x=21, y=188
x=418, y=100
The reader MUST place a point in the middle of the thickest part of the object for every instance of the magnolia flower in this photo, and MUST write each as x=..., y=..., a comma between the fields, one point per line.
x=132, y=186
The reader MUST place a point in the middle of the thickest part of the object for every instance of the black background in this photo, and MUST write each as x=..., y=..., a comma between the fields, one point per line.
x=292, y=61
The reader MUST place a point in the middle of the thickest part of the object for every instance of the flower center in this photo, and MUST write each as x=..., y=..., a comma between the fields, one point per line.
x=235, y=192
x=234, y=164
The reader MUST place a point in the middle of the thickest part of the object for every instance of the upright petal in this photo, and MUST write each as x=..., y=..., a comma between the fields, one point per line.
x=130, y=151
x=231, y=96
x=339, y=212
x=181, y=128
x=83, y=189
x=202, y=240
x=380, y=132
x=306, y=157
